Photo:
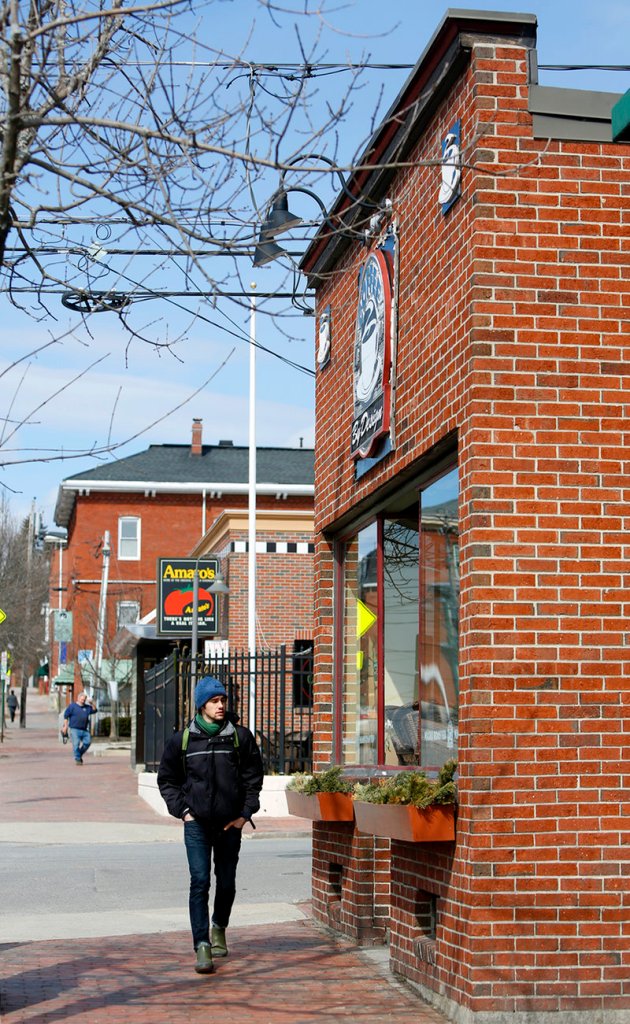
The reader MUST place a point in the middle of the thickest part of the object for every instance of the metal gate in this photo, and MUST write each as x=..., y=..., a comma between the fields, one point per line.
x=277, y=684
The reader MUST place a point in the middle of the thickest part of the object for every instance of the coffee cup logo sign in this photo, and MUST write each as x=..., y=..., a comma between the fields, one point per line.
x=372, y=351
x=450, y=185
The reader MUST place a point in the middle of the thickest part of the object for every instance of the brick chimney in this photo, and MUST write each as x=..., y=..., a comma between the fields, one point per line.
x=197, y=431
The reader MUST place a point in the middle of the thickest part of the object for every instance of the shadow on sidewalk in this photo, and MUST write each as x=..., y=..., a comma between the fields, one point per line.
x=285, y=974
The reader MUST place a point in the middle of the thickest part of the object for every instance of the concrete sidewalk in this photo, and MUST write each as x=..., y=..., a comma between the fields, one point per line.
x=286, y=971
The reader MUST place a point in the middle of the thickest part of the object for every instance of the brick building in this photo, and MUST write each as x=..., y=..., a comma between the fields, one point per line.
x=471, y=555
x=173, y=501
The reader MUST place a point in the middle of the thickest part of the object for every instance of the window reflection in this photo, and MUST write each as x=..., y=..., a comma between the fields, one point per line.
x=400, y=677
x=439, y=621
x=359, y=740
x=419, y=632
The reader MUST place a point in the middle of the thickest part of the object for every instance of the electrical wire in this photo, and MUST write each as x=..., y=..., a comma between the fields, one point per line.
x=279, y=68
x=239, y=333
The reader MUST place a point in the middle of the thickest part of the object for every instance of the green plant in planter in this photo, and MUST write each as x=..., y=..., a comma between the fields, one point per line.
x=411, y=788
x=329, y=781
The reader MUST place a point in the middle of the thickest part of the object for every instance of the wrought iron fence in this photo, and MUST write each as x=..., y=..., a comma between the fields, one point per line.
x=277, y=684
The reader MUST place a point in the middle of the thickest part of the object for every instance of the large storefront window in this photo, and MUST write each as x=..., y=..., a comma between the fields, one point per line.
x=400, y=635
x=359, y=712
x=400, y=688
x=439, y=621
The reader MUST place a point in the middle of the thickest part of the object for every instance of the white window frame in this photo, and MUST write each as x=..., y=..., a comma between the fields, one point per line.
x=127, y=540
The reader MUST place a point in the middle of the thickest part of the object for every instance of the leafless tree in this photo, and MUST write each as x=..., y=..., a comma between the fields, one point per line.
x=137, y=160
x=124, y=136
x=23, y=599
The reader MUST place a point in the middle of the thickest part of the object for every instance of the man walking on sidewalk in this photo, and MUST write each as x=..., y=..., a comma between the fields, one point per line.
x=13, y=704
x=210, y=776
x=77, y=716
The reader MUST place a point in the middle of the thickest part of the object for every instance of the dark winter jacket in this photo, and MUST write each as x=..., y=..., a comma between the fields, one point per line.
x=216, y=780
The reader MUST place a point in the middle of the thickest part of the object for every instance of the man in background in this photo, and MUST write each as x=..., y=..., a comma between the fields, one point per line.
x=12, y=704
x=76, y=717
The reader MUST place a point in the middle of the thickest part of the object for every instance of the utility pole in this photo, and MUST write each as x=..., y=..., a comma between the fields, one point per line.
x=29, y=568
x=100, y=632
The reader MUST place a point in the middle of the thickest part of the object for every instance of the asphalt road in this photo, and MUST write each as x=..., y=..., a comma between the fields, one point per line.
x=57, y=891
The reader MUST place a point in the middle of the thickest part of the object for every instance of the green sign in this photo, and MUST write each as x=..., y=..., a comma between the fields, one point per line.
x=63, y=626
x=620, y=117
x=65, y=676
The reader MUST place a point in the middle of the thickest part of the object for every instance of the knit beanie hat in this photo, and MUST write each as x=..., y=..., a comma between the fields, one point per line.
x=207, y=688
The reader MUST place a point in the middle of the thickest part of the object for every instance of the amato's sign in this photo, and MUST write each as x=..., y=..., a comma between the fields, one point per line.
x=175, y=580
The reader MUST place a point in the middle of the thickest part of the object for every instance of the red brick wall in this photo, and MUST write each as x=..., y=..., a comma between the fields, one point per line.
x=170, y=526
x=351, y=888
x=514, y=336
x=284, y=595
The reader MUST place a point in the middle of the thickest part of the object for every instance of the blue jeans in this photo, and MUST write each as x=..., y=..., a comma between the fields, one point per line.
x=202, y=841
x=81, y=740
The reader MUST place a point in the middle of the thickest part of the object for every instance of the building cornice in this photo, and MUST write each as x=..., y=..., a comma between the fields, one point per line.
x=70, y=490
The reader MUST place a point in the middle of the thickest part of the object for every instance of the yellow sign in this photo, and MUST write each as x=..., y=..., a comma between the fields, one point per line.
x=365, y=618
x=3, y=615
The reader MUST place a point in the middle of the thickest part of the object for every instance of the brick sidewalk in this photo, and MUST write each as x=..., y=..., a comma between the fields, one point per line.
x=287, y=974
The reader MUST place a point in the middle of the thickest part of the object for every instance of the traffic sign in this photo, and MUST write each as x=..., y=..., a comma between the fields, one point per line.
x=3, y=615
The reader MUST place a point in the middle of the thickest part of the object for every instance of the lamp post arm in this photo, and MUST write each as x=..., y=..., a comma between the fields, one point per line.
x=327, y=221
x=331, y=163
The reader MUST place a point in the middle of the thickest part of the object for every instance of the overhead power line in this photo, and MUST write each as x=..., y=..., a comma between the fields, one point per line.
x=274, y=68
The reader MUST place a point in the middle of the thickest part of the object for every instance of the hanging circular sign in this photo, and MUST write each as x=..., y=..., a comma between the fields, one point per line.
x=372, y=354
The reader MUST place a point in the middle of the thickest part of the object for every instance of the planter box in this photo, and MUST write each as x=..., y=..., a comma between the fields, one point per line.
x=409, y=824
x=321, y=806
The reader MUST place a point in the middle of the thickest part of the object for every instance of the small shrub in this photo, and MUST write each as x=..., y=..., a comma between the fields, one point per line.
x=124, y=726
x=411, y=788
x=329, y=781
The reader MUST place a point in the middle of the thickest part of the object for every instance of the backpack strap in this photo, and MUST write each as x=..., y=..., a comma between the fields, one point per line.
x=186, y=737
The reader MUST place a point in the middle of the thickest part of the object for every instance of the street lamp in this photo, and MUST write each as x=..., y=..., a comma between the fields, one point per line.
x=279, y=218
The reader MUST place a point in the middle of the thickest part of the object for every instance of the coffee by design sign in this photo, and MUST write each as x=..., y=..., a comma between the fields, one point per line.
x=175, y=579
x=373, y=349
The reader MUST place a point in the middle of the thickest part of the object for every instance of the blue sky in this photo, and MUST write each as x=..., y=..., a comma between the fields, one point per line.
x=134, y=385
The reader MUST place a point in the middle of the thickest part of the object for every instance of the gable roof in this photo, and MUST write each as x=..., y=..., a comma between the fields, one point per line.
x=171, y=468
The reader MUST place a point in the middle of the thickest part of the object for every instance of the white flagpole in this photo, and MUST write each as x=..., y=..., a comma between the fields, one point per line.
x=251, y=547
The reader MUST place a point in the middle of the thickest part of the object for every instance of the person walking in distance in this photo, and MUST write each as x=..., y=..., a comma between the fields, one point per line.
x=210, y=776
x=76, y=717
x=12, y=704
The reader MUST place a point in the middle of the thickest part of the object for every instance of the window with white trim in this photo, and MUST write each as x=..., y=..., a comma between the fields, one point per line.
x=129, y=537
